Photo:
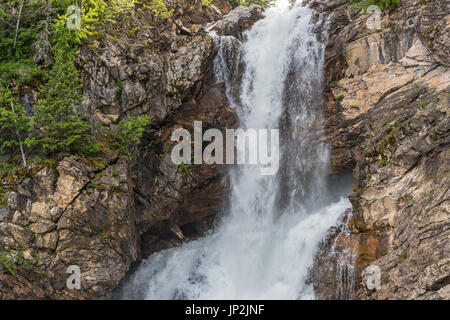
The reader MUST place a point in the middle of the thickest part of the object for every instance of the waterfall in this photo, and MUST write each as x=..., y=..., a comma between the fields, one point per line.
x=265, y=243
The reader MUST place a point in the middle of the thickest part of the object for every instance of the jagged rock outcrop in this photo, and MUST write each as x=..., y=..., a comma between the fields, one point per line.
x=238, y=21
x=74, y=214
x=105, y=214
x=388, y=121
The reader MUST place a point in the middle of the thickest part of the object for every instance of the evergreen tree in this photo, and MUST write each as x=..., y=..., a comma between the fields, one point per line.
x=20, y=22
x=14, y=124
x=129, y=133
x=58, y=127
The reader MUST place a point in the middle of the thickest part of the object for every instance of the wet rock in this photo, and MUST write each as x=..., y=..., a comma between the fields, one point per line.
x=333, y=273
x=238, y=20
x=187, y=66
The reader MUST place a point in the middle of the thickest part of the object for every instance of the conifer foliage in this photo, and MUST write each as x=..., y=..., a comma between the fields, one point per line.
x=58, y=128
x=37, y=54
x=14, y=124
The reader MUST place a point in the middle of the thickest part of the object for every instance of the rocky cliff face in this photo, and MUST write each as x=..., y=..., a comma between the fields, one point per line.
x=388, y=122
x=74, y=214
x=105, y=214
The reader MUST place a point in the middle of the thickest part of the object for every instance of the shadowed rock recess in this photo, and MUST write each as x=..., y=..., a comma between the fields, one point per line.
x=387, y=114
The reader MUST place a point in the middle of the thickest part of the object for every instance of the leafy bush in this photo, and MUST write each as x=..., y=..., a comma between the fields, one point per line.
x=206, y=3
x=234, y=3
x=22, y=71
x=59, y=127
x=158, y=9
x=17, y=43
x=185, y=169
x=14, y=259
x=247, y=3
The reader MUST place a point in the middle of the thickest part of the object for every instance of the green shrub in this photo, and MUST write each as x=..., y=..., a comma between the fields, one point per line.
x=185, y=168
x=104, y=235
x=383, y=4
x=206, y=3
x=22, y=71
x=6, y=169
x=3, y=197
x=100, y=187
x=59, y=123
x=129, y=133
x=159, y=10
x=118, y=93
x=245, y=3
x=262, y=3
x=14, y=259
x=339, y=98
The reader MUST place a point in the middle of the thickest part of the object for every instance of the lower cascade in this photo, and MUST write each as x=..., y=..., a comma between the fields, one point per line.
x=265, y=242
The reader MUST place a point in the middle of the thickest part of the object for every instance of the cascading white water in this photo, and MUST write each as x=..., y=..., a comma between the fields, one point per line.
x=266, y=241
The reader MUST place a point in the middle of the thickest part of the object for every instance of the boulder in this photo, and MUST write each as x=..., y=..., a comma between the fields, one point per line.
x=238, y=20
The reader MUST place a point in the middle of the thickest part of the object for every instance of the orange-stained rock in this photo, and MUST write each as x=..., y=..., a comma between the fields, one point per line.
x=388, y=122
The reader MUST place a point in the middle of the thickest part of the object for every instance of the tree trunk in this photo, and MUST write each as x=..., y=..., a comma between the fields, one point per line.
x=19, y=15
x=20, y=141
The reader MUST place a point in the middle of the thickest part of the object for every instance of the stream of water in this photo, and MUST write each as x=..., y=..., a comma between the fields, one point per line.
x=265, y=243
